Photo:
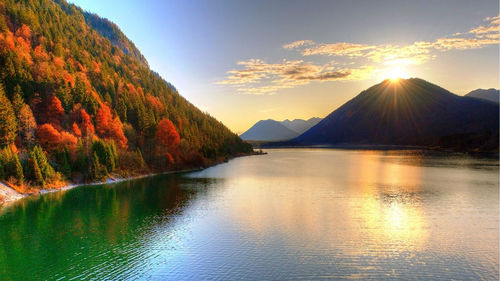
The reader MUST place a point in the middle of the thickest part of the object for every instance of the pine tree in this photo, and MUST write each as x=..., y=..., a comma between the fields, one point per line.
x=63, y=161
x=96, y=170
x=8, y=123
x=18, y=168
x=41, y=159
x=35, y=169
x=17, y=100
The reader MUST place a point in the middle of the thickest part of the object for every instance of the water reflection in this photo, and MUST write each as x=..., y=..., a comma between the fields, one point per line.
x=394, y=213
x=90, y=226
x=292, y=214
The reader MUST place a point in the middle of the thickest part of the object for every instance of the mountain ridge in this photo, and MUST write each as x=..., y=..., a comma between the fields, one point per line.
x=409, y=112
x=489, y=94
x=272, y=130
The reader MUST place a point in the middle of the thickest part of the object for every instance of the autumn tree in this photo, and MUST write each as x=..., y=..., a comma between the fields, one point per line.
x=48, y=136
x=51, y=139
x=167, y=136
x=109, y=127
x=54, y=111
x=82, y=122
x=86, y=125
x=76, y=130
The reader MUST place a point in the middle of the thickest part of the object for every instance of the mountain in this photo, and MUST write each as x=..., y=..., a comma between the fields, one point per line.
x=78, y=101
x=300, y=125
x=112, y=32
x=490, y=94
x=268, y=130
x=272, y=130
x=409, y=112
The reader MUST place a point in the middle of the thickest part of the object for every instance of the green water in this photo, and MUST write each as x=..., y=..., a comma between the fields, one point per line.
x=291, y=214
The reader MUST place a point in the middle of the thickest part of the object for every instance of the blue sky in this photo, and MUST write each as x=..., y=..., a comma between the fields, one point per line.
x=350, y=46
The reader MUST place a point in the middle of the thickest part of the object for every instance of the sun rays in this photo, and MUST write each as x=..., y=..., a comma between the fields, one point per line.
x=396, y=73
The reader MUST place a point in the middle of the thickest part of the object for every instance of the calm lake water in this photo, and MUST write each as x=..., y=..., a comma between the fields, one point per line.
x=296, y=214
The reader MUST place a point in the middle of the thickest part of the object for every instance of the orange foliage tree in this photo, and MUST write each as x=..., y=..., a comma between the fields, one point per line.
x=167, y=136
x=48, y=136
x=51, y=139
x=76, y=130
x=54, y=112
x=83, y=118
x=109, y=127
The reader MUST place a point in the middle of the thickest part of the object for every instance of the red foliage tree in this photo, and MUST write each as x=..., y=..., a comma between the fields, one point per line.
x=109, y=127
x=155, y=103
x=48, y=136
x=86, y=125
x=167, y=136
x=54, y=112
x=69, y=141
x=51, y=139
x=76, y=130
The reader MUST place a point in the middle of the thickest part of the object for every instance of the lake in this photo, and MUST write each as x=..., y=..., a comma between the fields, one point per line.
x=296, y=214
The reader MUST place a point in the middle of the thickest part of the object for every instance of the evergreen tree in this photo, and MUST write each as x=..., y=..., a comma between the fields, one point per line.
x=8, y=123
x=35, y=170
x=46, y=169
x=18, y=168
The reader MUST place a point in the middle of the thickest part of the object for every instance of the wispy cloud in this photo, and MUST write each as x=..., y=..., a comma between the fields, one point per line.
x=259, y=77
x=416, y=53
x=271, y=77
x=336, y=49
x=297, y=44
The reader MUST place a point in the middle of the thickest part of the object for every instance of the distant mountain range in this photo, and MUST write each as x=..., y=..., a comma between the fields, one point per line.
x=490, y=94
x=300, y=125
x=272, y=130
x=409, y=112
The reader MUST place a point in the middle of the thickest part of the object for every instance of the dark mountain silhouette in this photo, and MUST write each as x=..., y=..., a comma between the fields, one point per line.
x=300, y=125
x=409, y=112
x=490, y=94
x=268, y=130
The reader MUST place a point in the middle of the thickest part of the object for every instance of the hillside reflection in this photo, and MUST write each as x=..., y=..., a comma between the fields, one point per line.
x=89, y=220
x=303, y=214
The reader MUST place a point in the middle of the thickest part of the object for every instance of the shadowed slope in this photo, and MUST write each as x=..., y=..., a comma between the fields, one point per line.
x=490, y=94
x=406, y=112
x=268, y=130
x=300, y=125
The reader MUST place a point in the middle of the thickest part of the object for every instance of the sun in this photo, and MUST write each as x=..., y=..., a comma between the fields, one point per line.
x=396, y=73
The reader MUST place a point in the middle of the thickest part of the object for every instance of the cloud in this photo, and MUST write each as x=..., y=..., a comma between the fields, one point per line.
x=259, y=77
x=338, y=49
x=297, y=44
x=445, y=44
x=416, y=53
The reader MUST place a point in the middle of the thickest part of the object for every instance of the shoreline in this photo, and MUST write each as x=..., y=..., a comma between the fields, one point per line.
x=380, y=147
x=8, y=195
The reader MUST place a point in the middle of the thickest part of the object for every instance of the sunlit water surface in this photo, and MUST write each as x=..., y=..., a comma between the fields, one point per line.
x=296, y=214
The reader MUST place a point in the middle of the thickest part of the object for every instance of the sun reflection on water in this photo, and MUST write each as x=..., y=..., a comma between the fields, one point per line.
x=384, y=213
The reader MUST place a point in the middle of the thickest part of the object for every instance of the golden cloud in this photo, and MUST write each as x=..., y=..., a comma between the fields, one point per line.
x=260, y=77
x=416, y=53
x=297, y=44
x=338, y=49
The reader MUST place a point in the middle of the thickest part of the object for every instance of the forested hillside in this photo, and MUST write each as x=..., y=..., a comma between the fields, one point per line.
x=78, y=102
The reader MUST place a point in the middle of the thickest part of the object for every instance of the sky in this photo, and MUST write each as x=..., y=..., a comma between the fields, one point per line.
x=244, y=61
